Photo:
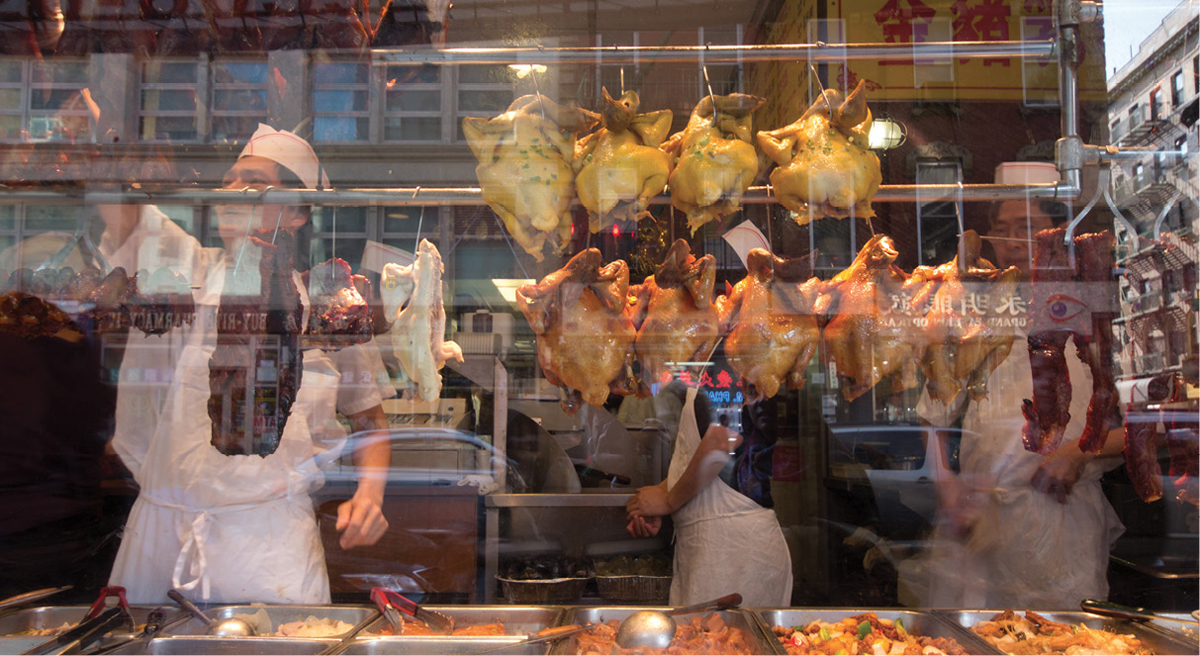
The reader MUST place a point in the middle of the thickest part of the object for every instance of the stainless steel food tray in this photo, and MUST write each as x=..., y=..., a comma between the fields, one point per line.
x=46, y=617
x=736, y=618
x=919, y=622
x=278, y=614
x=518, y=620
x=205, y=645
x=439, y=645
x=1159, y=641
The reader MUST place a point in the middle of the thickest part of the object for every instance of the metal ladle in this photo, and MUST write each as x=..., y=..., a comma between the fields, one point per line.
x=656, y=628
x=230, y=626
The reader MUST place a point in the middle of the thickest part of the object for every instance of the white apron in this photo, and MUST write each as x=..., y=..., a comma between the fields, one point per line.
x=724, y=542
x=226, y=528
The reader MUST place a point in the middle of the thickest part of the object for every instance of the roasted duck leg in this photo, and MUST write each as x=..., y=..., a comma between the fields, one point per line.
x=864, y=340
x=674, y=311
x=772, y=329
x=715, y=158
x=585, y=333
x=619, y=167
x=525, y=168
x=825, y=167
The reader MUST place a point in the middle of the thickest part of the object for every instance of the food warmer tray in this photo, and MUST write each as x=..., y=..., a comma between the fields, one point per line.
x=45, y=617
x=234, y=646
x=519, y=621
x=1158, y=640
x=735, y=617
x=278, y=614
x=921, y=622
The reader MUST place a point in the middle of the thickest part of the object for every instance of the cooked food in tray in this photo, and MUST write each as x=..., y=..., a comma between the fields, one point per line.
x=861, y=634
x=45, y=631
x=619, y=167
x=525, y=168
x=1034, y=634
x=716, y=161
x=585, y=335
x=312, y=627
x=825, y=167
x=707, y=634
x=418, y=628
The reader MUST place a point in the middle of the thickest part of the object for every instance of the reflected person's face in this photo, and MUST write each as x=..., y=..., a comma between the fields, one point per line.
x=234, y=222
x=1019, y=221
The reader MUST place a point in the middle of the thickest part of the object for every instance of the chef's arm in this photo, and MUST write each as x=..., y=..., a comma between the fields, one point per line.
x=710, y=458
x=360, y=520
x=1060, y=470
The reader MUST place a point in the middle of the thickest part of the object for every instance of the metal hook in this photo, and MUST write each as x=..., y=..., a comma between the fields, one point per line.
x=420, y=220
x=1163, y=215
x=711, y=96
x=1103, y=180
x=820, y=86
x=537, y=90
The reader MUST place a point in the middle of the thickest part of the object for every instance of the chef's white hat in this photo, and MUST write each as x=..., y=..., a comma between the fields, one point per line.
x=287, y=150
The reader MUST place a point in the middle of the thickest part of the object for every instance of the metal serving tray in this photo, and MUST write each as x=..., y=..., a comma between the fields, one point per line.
x=1159, y=641
x=439, y=645
x=46, y=617
x=518, y=620
x=203, y=645
x=278, y=615
x=735, y=618
x=923, y=623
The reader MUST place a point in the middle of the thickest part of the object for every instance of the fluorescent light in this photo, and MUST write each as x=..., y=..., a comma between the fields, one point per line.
x=508, y=287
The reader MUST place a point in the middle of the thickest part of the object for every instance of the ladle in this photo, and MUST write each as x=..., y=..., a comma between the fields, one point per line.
x=656, y=628
x=230, y=626
x=1127, y=612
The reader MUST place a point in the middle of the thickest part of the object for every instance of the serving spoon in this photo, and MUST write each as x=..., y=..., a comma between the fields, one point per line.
x=230, y=626
x=656, y=628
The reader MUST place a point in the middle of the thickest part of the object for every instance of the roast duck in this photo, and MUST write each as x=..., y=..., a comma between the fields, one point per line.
x=966, y=340
x=866, y=340
x=339, y=315
x=620, y=167
x=412, y=300
x=526, y=169
x=585, y=334
x=825, y=165
x=771, y=325
x=715, y=158
x=674, y=312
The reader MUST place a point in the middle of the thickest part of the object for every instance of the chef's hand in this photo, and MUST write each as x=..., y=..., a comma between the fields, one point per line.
x=1059, y=472
x=360, y=521
x=643, y=527
x=650, y=501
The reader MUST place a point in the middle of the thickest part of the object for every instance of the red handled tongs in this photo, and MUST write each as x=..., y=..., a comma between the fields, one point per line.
x=99, y=621
x=390, y=603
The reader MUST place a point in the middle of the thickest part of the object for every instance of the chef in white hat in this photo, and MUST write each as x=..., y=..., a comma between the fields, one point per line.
x=241, y=528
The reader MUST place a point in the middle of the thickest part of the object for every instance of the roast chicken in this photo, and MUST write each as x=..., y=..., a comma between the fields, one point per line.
x=412, y=297
x=825, y=167
x=772, y=331
x=620, y=167
x=966, y=342
x=581, y=317
x=525, y=168
x=715, y=158
x=674, y=312
x=865, y=338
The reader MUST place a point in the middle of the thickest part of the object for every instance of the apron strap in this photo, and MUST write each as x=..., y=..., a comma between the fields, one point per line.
x=194, y=550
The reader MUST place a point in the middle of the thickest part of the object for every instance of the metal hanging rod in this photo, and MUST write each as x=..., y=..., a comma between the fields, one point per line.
x=438, y=196
x=718, y=54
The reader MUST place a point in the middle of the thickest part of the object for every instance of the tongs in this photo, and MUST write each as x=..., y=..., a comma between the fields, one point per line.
x=96, y=624
x=391, y=602
x=30, y=597
x=551, y=634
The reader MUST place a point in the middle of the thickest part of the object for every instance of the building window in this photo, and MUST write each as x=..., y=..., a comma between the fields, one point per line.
x=1135, y=116
x=167, y=107
x=1156, y=104
x=239, y=99
x=341, y=108
x=412, y=103
x=340, y=232
x=485, y=91
x=1115, y=132
x=1139, y=177
x=41, y=101
x=1177, y=89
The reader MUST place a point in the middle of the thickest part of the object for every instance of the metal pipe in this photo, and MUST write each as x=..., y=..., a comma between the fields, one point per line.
x=467, y=196
x=718, y=54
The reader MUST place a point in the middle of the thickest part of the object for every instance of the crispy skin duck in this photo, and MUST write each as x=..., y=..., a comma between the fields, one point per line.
x=825, y=167
x=963, y=343
x=867, y=344
x=1094, y=267
x=339, y=315
x=772, y=329
x=258, y=330
x=715, y=158
x=619, y=167
x=676, y=318
x=585, y=334
x=1141, y=454
x=525, y=168
x=413, y=296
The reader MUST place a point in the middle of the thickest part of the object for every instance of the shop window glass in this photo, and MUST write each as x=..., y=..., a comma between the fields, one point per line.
x=341, y=102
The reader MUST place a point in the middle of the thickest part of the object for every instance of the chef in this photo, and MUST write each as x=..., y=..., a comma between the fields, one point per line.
x=724, y=542
x=237, y=528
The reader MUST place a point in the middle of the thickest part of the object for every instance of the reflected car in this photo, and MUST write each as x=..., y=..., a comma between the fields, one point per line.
x=426, y=456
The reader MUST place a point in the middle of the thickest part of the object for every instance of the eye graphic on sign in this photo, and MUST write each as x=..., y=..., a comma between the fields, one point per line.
x=1063, y=307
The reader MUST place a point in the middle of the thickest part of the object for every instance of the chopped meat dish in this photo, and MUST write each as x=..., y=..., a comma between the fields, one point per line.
x=702, y=635
x=1034, y=634
x=861, y=634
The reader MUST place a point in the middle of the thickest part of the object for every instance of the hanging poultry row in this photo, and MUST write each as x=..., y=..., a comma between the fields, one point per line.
x=533, y=162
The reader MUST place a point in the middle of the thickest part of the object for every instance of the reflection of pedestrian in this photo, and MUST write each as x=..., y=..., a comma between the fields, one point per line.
x=1016, y=529
x=724, y=542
